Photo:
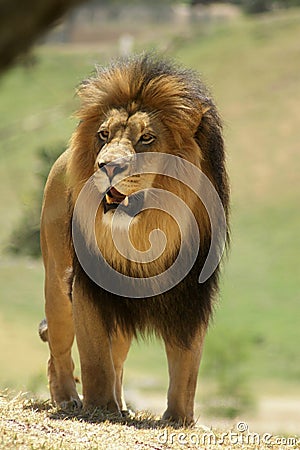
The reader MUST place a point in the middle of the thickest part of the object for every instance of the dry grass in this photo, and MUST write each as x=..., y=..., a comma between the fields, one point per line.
x=26, y=423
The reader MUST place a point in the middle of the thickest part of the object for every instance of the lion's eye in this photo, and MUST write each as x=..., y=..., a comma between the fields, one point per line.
x=103, y=135
x=147, y=138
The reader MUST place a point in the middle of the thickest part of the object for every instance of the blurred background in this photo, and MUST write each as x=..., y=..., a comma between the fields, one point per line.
x=248, y=52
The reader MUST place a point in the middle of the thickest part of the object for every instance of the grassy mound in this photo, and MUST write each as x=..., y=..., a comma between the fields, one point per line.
x=29, y=424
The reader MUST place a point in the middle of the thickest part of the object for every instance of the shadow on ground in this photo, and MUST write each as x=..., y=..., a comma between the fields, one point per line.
x=140, y=420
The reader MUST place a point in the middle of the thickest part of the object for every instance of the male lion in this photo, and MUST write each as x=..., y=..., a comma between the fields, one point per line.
x=140, y=105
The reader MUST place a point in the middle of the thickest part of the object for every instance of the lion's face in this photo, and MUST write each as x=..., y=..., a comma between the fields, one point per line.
x=122, y=137
x=119, y=172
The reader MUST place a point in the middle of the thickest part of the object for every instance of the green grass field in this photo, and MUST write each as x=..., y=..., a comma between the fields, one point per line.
x=253, y=67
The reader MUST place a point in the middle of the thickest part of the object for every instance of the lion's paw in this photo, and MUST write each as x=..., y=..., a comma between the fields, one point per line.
x=73, y=403
x=127, y=413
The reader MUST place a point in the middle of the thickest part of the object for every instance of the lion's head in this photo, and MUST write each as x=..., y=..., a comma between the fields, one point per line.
x=144, y=105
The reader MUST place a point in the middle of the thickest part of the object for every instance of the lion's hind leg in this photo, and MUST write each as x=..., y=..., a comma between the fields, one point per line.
x=59, y=332
x=58, y=260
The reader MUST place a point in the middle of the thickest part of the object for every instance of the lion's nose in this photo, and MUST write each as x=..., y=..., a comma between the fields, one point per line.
x=111, y=169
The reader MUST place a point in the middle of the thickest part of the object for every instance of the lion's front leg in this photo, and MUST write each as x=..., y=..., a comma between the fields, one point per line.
x=94, y=346
x=183, y=367
x=120, y=347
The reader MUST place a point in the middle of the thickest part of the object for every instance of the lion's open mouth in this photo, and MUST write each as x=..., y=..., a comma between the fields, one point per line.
x=131, y=204
x=113, y=198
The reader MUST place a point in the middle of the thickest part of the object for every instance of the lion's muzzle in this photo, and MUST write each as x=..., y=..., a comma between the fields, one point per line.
x=121, y=191
x=113, y=168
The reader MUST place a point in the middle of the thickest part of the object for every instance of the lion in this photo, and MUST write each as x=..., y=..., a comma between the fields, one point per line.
x=139, y=105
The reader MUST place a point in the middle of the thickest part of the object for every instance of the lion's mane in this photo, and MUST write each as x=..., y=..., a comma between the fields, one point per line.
x=182, y=103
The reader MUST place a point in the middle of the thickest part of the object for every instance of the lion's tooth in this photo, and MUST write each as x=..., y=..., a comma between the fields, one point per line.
x=108, y=199
x=126, y=201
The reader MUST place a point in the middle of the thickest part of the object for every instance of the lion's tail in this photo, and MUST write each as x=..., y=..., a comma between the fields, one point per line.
x=43, y=330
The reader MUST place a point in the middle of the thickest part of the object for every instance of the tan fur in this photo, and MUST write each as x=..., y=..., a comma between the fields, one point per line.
x=110, y=103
